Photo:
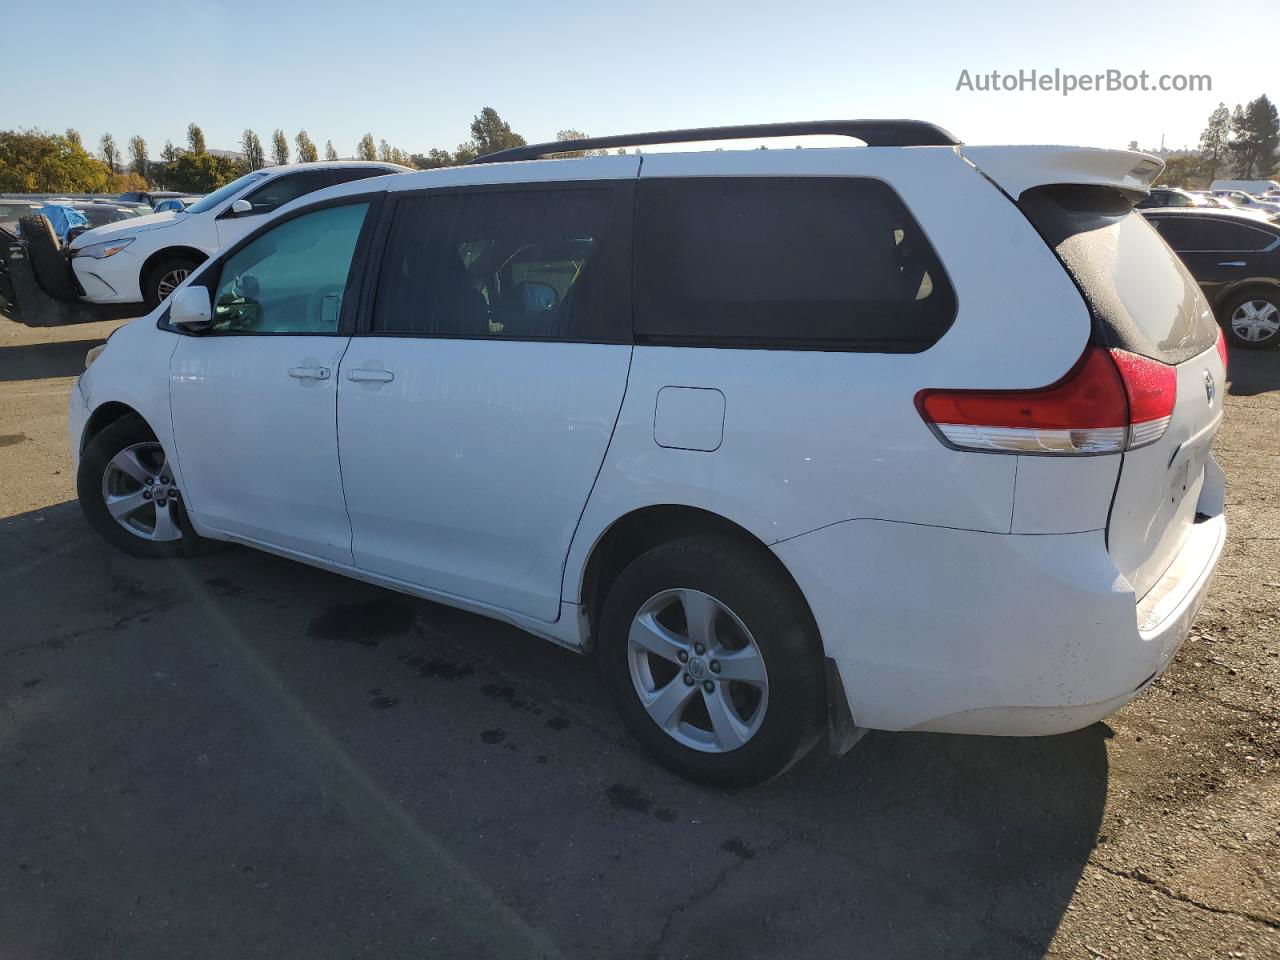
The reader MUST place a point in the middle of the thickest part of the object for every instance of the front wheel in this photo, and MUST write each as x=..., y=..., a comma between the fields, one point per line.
x=162, y=279
x=1252, y=319
x=129, y=494
x=713, y=661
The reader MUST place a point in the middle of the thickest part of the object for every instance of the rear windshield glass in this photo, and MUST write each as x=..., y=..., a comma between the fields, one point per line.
x=1142, y=297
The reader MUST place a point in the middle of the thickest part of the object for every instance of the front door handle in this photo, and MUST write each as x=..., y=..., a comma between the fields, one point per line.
x=360, y=375
x=1231, y=263
x=309, y=373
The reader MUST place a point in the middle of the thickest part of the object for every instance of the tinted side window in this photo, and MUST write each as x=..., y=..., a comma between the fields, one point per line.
x=764, y=261
x=279, y=191
x=1220, y=236
x=292, y=278
x=525, y=263
x=348, y=174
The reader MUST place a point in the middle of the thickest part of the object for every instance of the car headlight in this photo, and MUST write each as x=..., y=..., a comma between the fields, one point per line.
x=100, y=251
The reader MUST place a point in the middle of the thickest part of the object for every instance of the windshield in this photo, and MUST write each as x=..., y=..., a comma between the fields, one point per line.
x=225, y=193
x=12, y=211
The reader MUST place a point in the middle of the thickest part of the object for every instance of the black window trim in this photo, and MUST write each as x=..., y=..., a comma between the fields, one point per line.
x=843, y=345
x=1199, y=218
x=356, y=273
x=621, y=224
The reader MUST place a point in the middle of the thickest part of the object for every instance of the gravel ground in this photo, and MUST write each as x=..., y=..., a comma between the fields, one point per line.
x=239, y=756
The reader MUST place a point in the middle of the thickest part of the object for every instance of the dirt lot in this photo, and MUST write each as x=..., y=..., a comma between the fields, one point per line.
x=239, y=756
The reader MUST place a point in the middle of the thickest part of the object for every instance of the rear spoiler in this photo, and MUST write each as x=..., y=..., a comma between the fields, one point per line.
x=1017, y=169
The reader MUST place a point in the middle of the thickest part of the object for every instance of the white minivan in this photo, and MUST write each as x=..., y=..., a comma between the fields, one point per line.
x=904, y=436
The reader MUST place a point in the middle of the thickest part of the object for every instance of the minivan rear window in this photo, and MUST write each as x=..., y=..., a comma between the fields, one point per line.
x=1142, y=298
x=813, y=262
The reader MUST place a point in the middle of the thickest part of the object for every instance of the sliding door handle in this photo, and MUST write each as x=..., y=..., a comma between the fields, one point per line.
x=1231, y=263
x=309, y=373
x=360, y=375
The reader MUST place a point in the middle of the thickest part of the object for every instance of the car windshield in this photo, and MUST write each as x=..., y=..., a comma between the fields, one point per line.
x=224, y=193
x=99, y=214
x=12, y=211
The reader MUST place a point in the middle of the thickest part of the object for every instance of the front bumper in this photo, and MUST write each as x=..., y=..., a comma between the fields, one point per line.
x=1018, y=635
x=115, y=279
x=77, y=417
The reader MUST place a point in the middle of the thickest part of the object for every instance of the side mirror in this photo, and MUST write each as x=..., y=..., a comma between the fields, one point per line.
x=241, y=207
x=189, y=310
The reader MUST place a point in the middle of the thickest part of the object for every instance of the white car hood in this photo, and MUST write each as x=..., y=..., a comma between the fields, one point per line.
x=127, y=228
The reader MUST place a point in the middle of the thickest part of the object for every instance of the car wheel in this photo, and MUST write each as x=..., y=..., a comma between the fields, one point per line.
x=1252, y=319
x=129, y=494
x=164, y=277
x=713, y=660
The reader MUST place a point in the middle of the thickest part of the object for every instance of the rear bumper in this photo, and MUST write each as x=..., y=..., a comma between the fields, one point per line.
x=1015, y=635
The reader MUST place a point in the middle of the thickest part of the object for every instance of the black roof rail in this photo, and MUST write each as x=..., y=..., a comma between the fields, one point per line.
x=874, y=133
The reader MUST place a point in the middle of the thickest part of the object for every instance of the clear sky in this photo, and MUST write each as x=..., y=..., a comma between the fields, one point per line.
x=415, y=72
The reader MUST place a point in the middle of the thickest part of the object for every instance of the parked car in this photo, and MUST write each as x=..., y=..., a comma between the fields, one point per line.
x=175, y=204
x=769, y=431
x=1243, y=200
x=152, y=198
x=1169, y=197
x=146, y=259
x=1236, y=261
x=1253, y=187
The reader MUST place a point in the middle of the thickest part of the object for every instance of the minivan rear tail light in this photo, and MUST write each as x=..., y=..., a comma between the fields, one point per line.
x=1222, y=349
x=1110, y=401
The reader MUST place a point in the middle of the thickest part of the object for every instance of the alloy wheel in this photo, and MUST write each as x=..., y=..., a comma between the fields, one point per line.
x=141, y=494
x=170, y=280
x=697, y=670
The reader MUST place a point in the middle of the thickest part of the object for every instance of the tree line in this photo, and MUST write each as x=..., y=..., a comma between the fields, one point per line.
x=1243, y=143
x=34, y=161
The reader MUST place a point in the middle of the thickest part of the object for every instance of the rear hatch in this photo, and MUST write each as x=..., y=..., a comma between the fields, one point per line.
x=1143, y=301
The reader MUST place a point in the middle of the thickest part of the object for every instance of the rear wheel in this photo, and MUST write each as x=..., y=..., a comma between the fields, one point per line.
x=163, y=278
x=713, y=661
x=129, y=494
x=1252, y=319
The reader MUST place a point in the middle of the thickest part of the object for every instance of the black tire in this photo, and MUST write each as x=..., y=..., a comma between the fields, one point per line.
x=742, y=577
x=118, y=436
x=48, y=261
x=1234, y=302
x=160, y=272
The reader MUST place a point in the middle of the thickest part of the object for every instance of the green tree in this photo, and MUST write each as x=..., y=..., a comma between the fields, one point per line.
x=73, y=135
x=279, y=147
x=1214, y=141
x=201, y=172
x=110, y=153
x=307, y=152
x=170, y=152
x=384, y=151
x=138, y=150
x=195, y=138
x=577, y=135
x=433, y=159
x=490, y=133
x=254, y=158
x=1182, y=170
x=32, y=161
x=329, y=152
x=1255, y=135
x=366, y=150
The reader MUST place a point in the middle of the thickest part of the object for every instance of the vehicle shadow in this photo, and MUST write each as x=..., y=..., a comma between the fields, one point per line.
x=36, y=361
x=912, y=845
x=1251, y=372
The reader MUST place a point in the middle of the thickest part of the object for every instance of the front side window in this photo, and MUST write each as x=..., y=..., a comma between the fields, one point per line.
x=291, y=279
x=498, y=263
x=275, y=193
x=828, y=263
x=212, y=200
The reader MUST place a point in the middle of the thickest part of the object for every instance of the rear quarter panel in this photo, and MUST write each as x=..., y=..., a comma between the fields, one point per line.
x=813, y=438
